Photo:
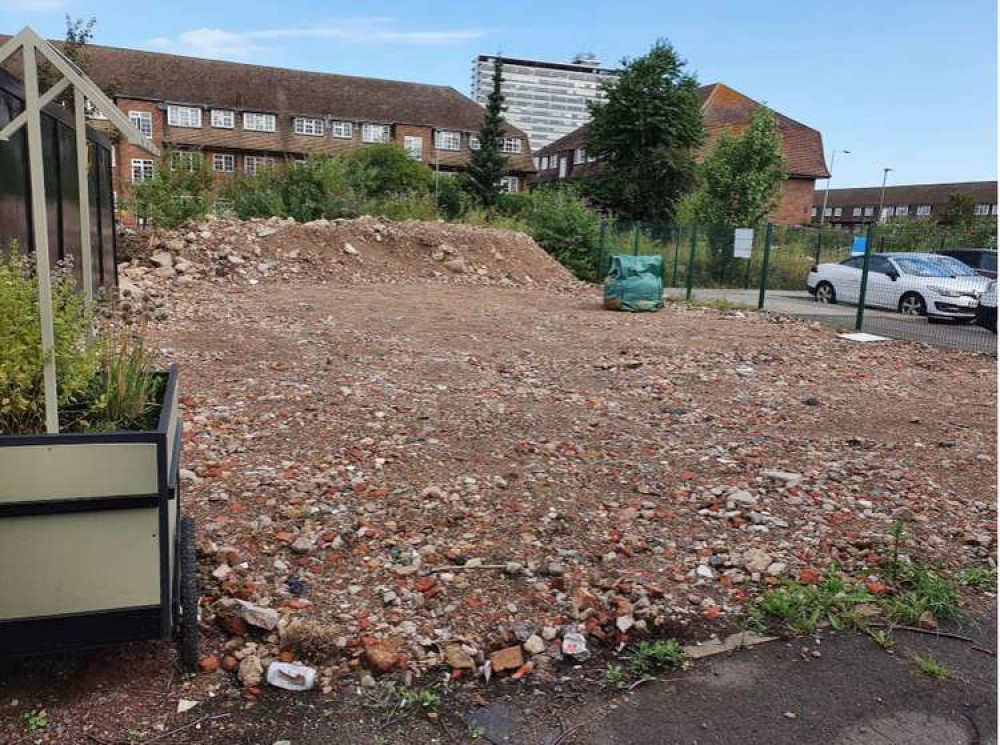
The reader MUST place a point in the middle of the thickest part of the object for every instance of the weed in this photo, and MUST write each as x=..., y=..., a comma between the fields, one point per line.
x=614, y=677
x=979, y=578
x=919, y=591
x=897, y=538
x=650, y=658
x=36, y=720
x=803, y=607
x=476, y=733
x=420, y=698
x=721, y=303
x=931, y=667
x=883, y=638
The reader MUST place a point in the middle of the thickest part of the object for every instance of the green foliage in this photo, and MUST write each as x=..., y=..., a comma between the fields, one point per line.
x=883, y=638
x=22, y=399
x=422, y=699
x=931, y=667
x=125, y=394
x=386, y=171
x=646, y=133
x=565, y=228
x=488, y=164
x=802, y=607
x=453, y=198
x=36, y=720
x=178, y=191
x=960, y=209
x=980, y=578
x=650, y=658
x=614, y=678
x=921, y=590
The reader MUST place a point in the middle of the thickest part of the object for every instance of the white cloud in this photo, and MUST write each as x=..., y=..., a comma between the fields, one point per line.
x=217, y=42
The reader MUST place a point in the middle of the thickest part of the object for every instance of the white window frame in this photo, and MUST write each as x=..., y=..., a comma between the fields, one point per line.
x=474, y=143
x=308, y=125
x=223, y=118
x=814, y=211
x=447, y=140
x=254, y=164
x=902, y=209
x=342, y=130
x=993, y=209
x=510, y=184
x=579, y=156
x=923, y=210
x=838, y=211
x=142, y=120
x=414, y=146
x=226, y=160
x=982, y=209
x=869, y=212
x=828, y=212
x=510, y=145
x=856, y=212
x=375, y=134
x=554, y=161
x=146, y=170
x=180, y=156
x=184, y=116
x=256, y=121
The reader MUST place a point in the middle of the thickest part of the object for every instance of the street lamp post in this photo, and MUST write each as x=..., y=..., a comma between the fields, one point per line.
x=826, y=194
x=881, y=198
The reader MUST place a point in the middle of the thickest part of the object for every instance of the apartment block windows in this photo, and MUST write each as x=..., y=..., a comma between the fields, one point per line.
x=375, y=133
x=510, y=184
x=869, y=211
x=923, y=210
x=184, y=116
x=414, y=147
x=511, y=145
x=143, y=121
x=308, y=126
x=838, y=211
x=223, y=119
x=342, y=130
x=254, y=164
x=182, y=161
x=813, y=213
x=856, y=212
x=224, y=163
x=448, y=140
x=579, y=156
x=982, y=209
x=902, y=209
x=828, y=212
x=142, y=170
x=254, y=122
x=993, y=208
x=474, y=143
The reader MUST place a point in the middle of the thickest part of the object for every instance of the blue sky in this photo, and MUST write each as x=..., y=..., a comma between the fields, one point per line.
x=910, y=84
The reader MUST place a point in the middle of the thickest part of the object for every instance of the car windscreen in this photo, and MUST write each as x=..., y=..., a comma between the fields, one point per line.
x=921, y=267
x=988, y=261
x=953, y=266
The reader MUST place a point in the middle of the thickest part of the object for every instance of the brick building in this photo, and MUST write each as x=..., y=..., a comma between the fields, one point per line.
x=240, y=118
x=722, y=109
x=855, y=207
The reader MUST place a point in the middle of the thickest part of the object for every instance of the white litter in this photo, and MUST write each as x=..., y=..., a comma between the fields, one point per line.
x=862, y=336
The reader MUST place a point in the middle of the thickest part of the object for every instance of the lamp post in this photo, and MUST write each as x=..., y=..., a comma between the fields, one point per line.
x=826, y=194
x=881, y=197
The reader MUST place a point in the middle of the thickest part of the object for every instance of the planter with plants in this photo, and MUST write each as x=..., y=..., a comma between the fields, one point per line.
x=93, y=548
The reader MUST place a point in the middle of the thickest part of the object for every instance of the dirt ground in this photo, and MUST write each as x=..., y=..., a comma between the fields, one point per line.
x=413, y=466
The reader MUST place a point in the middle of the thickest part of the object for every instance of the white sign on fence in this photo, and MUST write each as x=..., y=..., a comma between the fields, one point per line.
x=742, y=243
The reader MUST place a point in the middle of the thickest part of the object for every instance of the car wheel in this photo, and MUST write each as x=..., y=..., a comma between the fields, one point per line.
x=911, y=304
x=825, y=293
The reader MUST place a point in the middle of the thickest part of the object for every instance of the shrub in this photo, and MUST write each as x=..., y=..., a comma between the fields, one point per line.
x=402, y=207
x=22, y=398
x=563, y=226
x=125, y=392
x=174, y=196
x=385, y=171
x=453, y=198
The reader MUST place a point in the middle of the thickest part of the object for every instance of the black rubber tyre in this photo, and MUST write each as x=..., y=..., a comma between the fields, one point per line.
x=188, y=596
x=825, y=293
x=912, y=304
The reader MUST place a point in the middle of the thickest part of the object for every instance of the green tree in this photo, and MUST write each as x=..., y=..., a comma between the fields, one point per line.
x=646, y=133
x=960, y=209
x=386, y=171
x=79, y=33
x=488, y=164
x=177, y=192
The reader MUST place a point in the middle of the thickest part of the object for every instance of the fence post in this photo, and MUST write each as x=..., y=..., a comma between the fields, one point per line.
x=763, y=269
x=819, y=245
x=599, y=268
x=746, y=281
x=860, y=318
x=635, y=238
x=690, y=277
x=677, y=253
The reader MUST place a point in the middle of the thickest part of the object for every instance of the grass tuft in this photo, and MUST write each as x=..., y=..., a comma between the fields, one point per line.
x=931, y=667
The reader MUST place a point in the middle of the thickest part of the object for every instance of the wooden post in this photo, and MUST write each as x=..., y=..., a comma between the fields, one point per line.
x=83, y=188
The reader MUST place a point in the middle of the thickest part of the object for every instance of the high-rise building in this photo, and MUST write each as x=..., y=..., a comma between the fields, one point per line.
x=547, y=100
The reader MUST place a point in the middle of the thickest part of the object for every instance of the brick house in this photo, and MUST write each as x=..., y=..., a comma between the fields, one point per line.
x=722, y=109
x=858, y=206
x=240, y=118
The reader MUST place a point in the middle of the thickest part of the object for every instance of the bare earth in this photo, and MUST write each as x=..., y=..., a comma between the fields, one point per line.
x=588, y=460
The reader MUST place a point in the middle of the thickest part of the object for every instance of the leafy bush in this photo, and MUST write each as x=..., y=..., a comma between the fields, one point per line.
x=565, y=228
x=125, y=393
x=174, y=196
x=453, y=198
x=385, y=171
x=22, y=398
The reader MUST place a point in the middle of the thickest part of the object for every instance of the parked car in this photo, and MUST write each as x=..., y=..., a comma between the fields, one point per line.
x=986, y=313
x=931, y=285
x=982, y=260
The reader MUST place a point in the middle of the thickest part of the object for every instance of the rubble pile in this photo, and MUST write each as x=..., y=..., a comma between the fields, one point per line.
x=366, y=250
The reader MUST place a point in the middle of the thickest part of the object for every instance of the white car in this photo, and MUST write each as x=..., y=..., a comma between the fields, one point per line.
x=914, y=284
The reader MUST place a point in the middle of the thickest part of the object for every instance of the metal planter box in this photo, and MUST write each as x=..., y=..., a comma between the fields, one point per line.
x=89, y=527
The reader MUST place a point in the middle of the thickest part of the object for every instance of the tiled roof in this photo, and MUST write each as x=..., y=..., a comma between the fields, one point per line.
x=983, y=192
x=723, y=108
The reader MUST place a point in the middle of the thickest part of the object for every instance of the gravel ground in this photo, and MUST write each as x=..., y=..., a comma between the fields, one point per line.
x=416, y=478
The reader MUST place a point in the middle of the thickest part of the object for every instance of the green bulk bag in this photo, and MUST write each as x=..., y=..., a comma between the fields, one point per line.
x=634, y=284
